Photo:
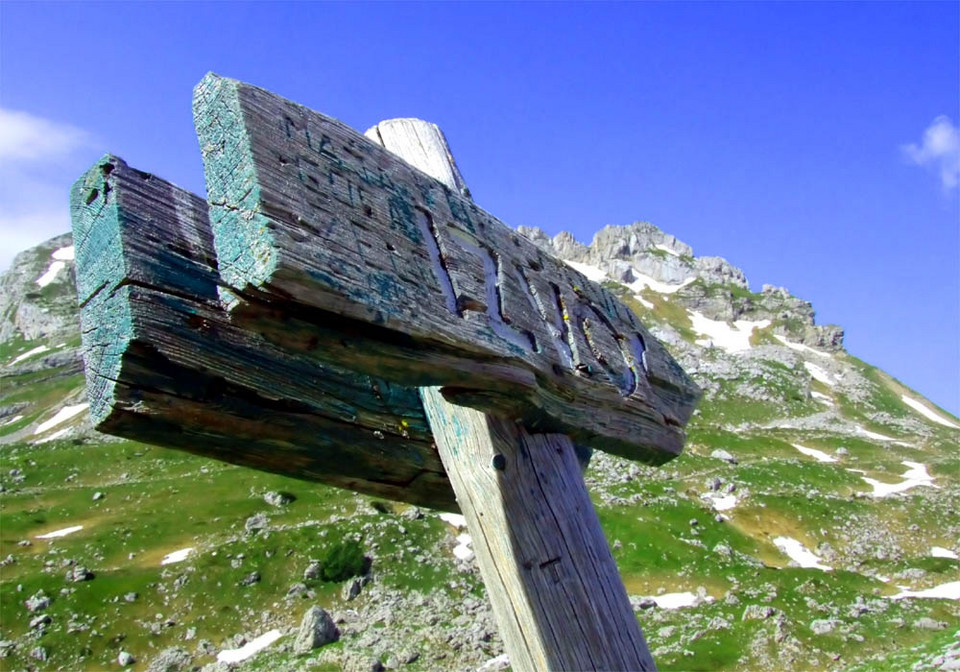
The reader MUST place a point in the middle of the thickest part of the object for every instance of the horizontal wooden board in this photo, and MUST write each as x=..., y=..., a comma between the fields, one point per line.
x=385, y=270
x=165, y=365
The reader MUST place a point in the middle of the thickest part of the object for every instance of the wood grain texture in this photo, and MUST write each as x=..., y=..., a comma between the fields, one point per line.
x=567, y=610
x=315, y=221
x=424, y=147
x=165, y=365
x=554, y=585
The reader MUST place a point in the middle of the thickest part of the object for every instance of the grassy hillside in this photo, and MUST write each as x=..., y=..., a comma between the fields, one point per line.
x=778, y=540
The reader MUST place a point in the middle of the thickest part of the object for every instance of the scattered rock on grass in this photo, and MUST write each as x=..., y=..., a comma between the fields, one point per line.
x=250, y=579
x=37, y=602
x=277, y=498
x=79, y=573
x=126, y=659
x=823, y=626
x=256, y=522
x=413, y=513
x=757, y=612
x=40, y=621
x=316, y=629
x=927, y=623
x=351, y=589
x=312, y=571
x=298, y=589
x=173, y=659
x=723, y=455
x=357, y=662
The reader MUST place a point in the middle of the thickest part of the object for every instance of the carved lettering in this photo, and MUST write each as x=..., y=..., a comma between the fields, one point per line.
x=438, y=275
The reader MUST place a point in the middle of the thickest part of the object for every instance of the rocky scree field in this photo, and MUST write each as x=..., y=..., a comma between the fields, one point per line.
x=813, y=522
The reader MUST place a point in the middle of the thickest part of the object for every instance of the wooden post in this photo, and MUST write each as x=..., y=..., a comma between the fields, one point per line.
x=554, y=585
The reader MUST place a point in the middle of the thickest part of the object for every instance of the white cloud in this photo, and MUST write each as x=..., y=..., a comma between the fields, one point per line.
x=939, y=151
x=25, y=137
x=39, y=160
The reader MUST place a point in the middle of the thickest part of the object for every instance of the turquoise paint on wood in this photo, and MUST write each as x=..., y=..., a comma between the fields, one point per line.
x=166, y=365
x=247, y=254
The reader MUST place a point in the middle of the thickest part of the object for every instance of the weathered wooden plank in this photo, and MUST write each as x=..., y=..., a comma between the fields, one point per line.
x=425, y=148
x=165, y=365
x=313, y=221
x=551, y=578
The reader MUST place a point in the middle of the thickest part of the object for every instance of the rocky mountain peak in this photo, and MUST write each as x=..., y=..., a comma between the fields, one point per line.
x=643, y=258
x=38, y=296
x=643, y=249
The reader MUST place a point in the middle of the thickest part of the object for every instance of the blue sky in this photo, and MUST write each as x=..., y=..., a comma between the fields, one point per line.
x=814, y=145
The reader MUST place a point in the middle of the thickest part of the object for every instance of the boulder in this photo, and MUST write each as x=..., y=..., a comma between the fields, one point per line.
x=316, y=629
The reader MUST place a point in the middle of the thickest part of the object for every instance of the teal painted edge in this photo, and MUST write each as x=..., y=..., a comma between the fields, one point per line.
x=244, y=244
x=106, y=323
x=96, y=229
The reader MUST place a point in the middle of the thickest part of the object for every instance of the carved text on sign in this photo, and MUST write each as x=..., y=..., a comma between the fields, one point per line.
x=313, y=220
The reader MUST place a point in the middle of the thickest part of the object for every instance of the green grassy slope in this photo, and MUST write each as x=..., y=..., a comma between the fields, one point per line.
x=752, y=608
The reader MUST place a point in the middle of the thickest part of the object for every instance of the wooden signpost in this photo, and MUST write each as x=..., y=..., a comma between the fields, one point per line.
x=348, y=272
x=165, y=365
x=311, y=219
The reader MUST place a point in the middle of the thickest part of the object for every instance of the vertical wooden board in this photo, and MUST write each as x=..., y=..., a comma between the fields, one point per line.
x=426, y=149
x=582, y=619
x=317, y=220
x=165, y=365
x=554, y=585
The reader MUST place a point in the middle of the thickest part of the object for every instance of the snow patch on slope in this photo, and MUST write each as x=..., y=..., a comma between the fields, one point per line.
x=818, y=373
x=592, y=272
x=822, y=398
x=56, y=534
x=941, y=552
x=65, y=254
x=818, y=455
x=62, y=415
x=862, y=431
x=915, y=475
x=176, y=556
x=720, y=502
x=644, y=281
x=455, y=519
x=236, y=655
x=462, y=550
x=927, y=413
x=643, y=302
x=60, y=433
x=676, y=600
x=732, y=338
x=799, y=554
x=799, y=347
x=29, y=353
x=60, y=257
x=51, y=273
x=945, y=591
